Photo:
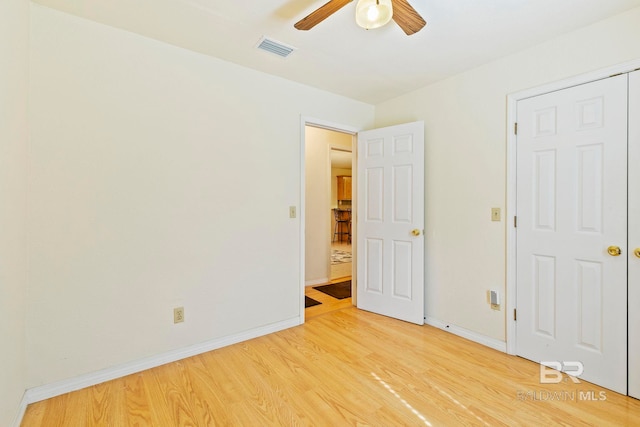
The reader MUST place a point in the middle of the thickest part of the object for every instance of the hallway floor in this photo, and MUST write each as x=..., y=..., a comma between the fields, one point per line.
x=344, y=269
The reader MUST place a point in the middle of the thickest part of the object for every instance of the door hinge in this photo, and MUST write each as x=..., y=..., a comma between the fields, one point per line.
x=515, y=315
x=515, y=222
x=515, y=128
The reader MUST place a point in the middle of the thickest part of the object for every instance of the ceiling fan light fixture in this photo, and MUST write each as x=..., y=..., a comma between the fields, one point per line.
x=372, y=14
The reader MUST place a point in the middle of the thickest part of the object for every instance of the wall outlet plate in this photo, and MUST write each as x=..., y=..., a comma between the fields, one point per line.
x=178, y=315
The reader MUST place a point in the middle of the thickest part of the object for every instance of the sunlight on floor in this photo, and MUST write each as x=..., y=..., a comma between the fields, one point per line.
x=454, y=400
x=404, y=402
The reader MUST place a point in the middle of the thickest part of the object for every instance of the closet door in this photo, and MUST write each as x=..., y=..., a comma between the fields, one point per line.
x=634, y=234
x=572, y=230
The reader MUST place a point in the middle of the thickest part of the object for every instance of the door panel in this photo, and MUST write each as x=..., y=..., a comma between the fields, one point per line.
x=571, y=206
x=391, y=202
x=544, y=190
x=373, y=259
x=544, y=283
x=634, y=234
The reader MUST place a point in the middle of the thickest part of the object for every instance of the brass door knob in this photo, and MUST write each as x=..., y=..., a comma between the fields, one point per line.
x=614, y=250
x=415, y=232
x=636, y=252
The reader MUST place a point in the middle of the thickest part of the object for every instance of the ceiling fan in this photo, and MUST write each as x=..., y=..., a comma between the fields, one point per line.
x=369, y=14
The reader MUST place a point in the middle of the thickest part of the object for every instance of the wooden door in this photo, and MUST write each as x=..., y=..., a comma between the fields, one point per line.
x=390, y=262
x=571, y=207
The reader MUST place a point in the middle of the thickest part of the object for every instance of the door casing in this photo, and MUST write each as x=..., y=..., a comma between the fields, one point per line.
x=634, y=237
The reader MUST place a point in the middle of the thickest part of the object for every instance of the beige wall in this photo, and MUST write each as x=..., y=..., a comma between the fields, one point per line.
x=318, y=182
x=14, y=57
x=465, y=133
x=159, y=178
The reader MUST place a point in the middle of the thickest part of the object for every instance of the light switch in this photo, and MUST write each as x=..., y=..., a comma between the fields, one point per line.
x=292, y=211
x=494, y=297
x=495, y=214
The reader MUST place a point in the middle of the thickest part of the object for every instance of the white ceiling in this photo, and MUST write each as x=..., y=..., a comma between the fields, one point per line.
x=341, y=159
x=337, y=55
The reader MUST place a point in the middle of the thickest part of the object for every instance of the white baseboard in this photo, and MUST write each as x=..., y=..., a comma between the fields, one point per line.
x=316, y=282
x=48, y=391
x=470, y=335
x=21, y=410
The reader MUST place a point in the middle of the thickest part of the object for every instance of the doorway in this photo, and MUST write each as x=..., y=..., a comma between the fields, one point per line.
x=328, y=248
x=390, y=232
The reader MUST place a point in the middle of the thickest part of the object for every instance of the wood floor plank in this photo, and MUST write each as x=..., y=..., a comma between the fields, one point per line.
x=208, y=400
x=102, y=404
x=170, y=393
x=137, y=403
x=344, y=367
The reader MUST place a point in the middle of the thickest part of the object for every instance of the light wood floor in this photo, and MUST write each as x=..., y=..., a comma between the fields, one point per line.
x=346, y=367
x=329, y=303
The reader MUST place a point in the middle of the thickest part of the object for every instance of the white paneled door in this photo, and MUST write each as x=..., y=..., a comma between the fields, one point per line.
x=633, y=252
x=572, y=230
x=390, y=223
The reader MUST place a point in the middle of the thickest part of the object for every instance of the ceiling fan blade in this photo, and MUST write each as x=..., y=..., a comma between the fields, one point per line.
x=406, y=17
x=320, y=14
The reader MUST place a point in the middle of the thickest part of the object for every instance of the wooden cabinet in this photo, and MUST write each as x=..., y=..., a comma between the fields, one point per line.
x=344, y=187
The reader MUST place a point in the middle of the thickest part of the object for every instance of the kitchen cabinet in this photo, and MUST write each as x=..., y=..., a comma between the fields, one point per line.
x=344, y=187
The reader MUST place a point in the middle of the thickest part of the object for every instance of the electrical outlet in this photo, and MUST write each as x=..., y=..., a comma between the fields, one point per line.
x=178, y=315
x=292, y=211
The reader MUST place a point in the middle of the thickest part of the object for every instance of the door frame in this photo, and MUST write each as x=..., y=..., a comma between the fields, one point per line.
x=337, y=127
x=512, y=104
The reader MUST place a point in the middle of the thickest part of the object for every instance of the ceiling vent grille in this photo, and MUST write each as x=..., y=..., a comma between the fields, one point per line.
x=275, y=47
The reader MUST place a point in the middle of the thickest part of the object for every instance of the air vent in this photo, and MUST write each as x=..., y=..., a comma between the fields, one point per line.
x=275, y=47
